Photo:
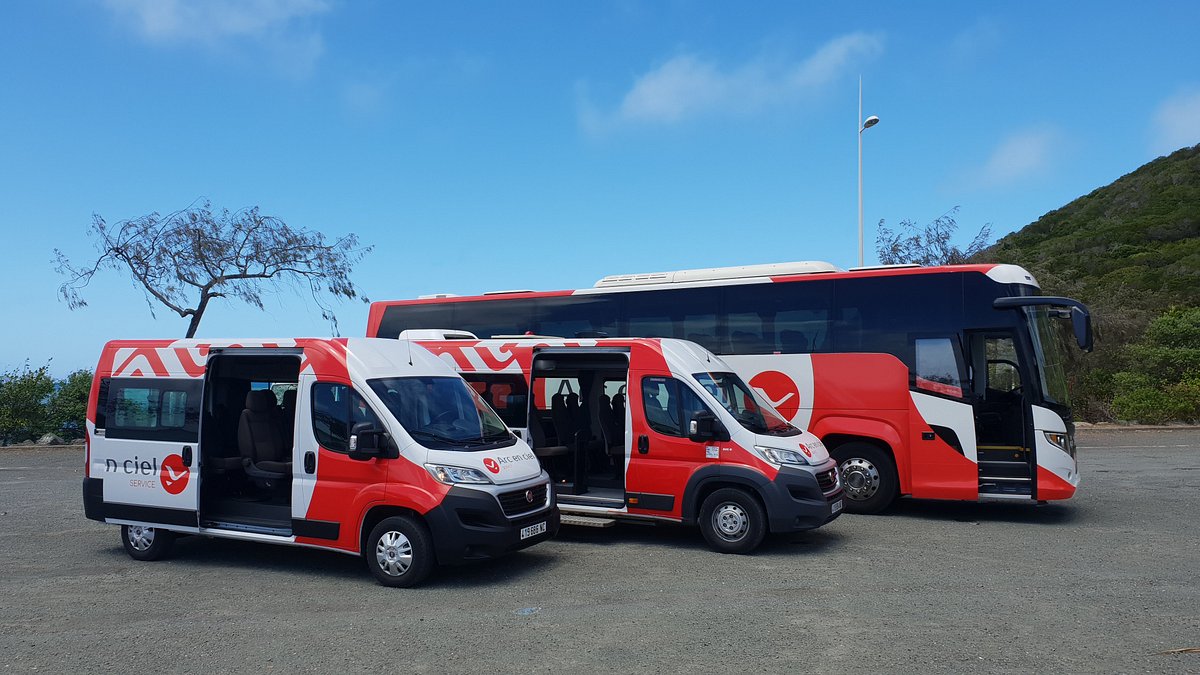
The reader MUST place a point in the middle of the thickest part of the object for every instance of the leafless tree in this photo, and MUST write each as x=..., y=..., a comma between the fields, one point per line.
x=929, y=245
x=185, y=259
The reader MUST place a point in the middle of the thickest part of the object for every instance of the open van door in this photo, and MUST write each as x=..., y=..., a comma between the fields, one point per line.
x=145, y=449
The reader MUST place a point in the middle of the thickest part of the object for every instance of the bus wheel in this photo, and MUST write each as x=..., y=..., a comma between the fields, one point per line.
x=399, y=552
x=869, y=477
x=732, y=521
x=146, y=543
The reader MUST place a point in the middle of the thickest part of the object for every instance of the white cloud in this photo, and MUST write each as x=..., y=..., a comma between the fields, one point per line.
x=280, y=27
x=1021, y=155
x=1176, y=123
x=687, y=86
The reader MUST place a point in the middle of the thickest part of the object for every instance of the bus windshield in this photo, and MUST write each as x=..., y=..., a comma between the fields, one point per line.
x=442, y=413
x=1049, y=337
x=746, y=406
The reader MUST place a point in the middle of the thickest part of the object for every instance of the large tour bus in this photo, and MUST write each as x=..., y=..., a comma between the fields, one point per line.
x=934, y=382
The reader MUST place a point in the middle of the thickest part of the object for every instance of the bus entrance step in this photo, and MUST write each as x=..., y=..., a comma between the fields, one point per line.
x=587, y=521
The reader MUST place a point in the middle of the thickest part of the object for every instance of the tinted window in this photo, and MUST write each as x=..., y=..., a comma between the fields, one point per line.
x=486, y=318
x=669, y=405
x=153, y=409
x=399, y=318
x=577, y=316
x=882, y=314
x=508, y=395
x=789, y=317
x=336, y=409
x=939, y=366
x=689, y=314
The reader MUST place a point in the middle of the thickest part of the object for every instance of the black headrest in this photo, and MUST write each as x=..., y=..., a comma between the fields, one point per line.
x=260, y=400
x=289, y=399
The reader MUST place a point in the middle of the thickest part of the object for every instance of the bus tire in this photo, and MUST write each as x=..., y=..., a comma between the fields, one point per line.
x=399, y=552
x=146, y=543
x=868, y=476
x=732, y=521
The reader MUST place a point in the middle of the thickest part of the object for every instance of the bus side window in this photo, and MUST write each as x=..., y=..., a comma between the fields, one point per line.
x=939, y=366
x=507, y=394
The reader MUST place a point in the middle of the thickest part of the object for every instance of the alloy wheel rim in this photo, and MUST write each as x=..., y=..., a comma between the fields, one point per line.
x=394, y=553
x=141, y=538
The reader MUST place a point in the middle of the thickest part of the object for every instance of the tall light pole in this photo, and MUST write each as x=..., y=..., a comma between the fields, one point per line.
x=863, y=125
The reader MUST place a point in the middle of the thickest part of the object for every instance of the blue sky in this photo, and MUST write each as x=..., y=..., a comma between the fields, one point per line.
x=543, y=145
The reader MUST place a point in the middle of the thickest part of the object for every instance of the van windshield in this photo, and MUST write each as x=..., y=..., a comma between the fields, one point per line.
x=442, y=413
x=746, y=406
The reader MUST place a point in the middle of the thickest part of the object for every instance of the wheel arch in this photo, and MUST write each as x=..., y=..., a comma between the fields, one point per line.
x=709, y=479
x=378, y=513
x=887, y=443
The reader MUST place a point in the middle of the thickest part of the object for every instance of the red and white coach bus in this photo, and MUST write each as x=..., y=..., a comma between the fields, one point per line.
x=934, y=382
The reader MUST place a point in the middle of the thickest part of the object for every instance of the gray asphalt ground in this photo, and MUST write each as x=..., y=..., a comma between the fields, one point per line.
x=1104, y=583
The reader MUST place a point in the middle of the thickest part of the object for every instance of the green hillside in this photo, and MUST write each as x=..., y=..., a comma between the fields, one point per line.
x=1133, y=243
x=1131, y=251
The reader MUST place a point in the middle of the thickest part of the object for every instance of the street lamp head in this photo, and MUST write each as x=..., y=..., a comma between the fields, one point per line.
x=870, y=122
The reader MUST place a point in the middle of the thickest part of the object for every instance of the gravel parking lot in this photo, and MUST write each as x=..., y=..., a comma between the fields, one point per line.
x=1105, y=582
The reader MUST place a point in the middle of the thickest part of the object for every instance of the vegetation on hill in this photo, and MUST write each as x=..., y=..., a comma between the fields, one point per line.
x=1131, y=251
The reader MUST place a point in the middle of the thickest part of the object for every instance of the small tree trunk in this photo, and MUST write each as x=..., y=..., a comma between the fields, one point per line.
x=195, y=322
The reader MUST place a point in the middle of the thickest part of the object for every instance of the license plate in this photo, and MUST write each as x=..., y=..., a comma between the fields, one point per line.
x=837, y=506
x=533, y=530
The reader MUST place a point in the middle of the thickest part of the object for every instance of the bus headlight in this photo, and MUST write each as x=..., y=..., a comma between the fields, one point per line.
x=781, y=456
x=1057, y=439
x=451, y=475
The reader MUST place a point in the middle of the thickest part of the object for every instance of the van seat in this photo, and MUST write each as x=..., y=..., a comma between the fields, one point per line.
x=264, y=456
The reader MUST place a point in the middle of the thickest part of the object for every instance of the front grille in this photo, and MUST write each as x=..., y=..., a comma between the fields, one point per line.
x=518, y=501
x=828, y=480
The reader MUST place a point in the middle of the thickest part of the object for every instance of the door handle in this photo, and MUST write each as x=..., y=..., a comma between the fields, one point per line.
x=187, y=455
x=310, y=462
x=643, y=444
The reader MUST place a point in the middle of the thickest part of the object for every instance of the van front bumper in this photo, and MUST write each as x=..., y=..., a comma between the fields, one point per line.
x=796, y=501
x=469, y=525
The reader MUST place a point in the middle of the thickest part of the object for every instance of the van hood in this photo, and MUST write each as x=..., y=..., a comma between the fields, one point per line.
x=805, y=443
x=509, y=464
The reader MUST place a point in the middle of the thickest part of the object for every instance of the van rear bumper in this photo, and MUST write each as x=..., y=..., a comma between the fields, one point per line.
x=470, y=525
x=795, y=500
x=93, y=498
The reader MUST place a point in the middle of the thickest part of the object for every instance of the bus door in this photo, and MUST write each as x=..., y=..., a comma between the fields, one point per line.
x=1007, y=461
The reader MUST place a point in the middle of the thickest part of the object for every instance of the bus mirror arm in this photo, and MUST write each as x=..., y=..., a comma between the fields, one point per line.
x=1081, y=318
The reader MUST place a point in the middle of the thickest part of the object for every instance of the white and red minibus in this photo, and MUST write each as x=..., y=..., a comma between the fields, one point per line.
x=368, y=447
x=935, y=382
x=651, y=429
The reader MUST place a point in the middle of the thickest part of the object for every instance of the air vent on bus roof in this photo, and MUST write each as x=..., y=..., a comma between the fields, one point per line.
x=434, y=296
x=883, y=267
x=435, y=334
x=713, y=273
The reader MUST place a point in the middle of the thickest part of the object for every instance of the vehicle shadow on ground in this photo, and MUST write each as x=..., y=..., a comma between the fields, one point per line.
x=689, y=538
x=972, y=512
x=235, y=557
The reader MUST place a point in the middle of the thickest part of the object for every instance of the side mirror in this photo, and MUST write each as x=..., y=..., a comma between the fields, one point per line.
x=1081, y=322
x=704, y=426
x=368, y=441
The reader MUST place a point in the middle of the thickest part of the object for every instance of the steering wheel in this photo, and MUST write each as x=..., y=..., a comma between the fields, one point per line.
x=443, y=417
